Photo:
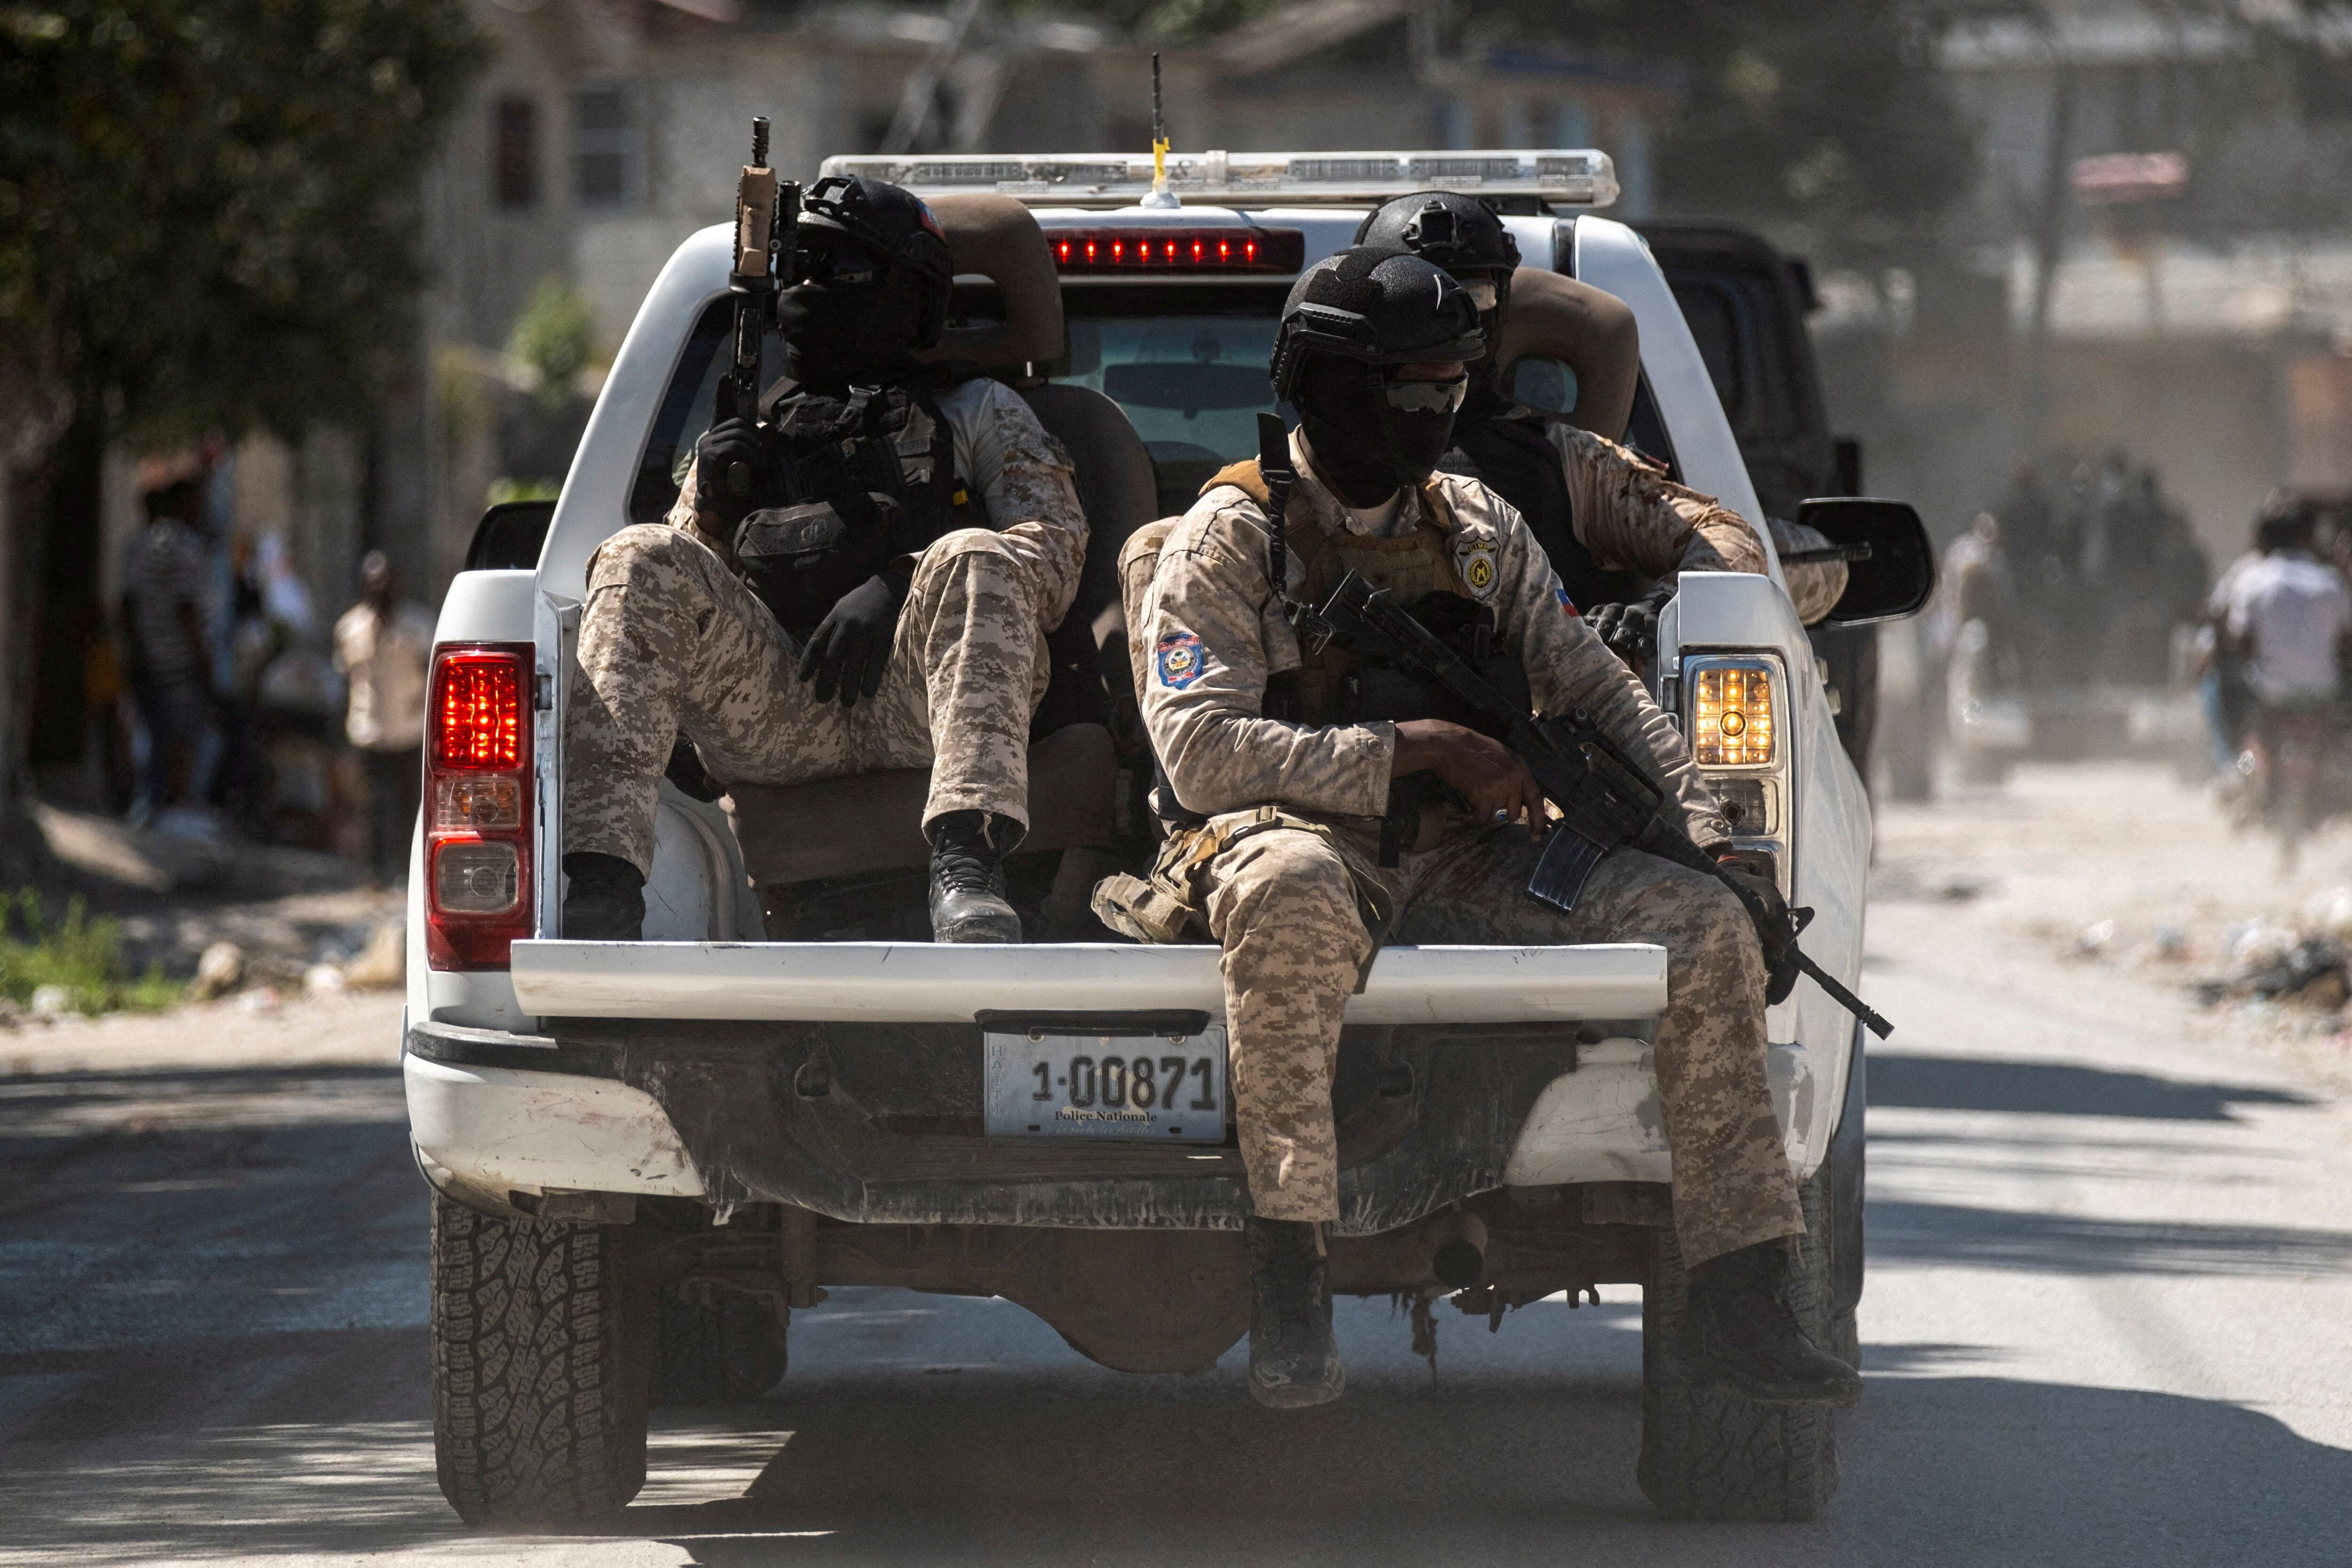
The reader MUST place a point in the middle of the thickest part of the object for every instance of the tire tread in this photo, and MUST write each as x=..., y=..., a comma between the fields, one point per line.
x=538, y=1406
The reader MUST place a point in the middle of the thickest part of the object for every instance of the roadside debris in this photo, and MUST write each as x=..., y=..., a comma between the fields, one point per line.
x=383, y=964
x=2307, y=964
x=218, y=971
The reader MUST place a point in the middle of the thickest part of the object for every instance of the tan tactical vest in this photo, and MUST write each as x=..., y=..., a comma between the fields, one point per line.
x=1409, y=566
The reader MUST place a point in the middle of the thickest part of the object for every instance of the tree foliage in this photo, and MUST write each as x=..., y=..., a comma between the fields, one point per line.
x=1827, y=119
x=208, y=207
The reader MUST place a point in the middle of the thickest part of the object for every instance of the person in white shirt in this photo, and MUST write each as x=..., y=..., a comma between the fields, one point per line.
x=383, y=648
x=2286, y=613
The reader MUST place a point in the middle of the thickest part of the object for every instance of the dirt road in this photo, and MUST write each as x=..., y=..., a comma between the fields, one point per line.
x=2111, y=1260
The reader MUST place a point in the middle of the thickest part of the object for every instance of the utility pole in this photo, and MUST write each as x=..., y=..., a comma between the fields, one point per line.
x=2054, y=208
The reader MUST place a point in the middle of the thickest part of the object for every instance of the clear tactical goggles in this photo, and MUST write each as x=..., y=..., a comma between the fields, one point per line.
x=832, y=267
x=1425, y=397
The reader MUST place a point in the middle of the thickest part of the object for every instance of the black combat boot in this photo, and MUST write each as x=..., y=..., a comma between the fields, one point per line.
x=606, y=900
x=1293, y=1361
x=968, y=892
x=1744, y=1338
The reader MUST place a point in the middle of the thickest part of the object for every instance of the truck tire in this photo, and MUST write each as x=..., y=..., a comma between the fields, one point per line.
x=539, y=1370
x=1708, y=1456
x=727, y=1352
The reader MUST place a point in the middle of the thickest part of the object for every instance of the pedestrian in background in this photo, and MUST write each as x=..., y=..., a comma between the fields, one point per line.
x=167, y=607
x=382, y=650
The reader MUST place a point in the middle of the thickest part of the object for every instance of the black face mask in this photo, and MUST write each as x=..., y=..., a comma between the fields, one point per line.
x=1366, y=445
x=838, y=335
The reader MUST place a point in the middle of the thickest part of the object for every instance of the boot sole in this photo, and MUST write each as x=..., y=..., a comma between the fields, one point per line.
x=978, y=936
x=1297, y=1396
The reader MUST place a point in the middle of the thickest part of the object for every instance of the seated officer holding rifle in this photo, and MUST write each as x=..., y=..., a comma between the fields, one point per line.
x=1290, y=764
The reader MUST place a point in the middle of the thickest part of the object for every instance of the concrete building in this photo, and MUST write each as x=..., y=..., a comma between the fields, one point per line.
x=2153, y=257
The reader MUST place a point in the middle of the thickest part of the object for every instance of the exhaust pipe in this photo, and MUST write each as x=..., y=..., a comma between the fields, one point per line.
x=1459, y=1260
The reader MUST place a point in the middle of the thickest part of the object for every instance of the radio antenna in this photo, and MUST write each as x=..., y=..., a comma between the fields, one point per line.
x=1160, y=196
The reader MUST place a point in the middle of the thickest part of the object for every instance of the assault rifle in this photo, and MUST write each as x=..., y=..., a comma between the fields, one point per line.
x=767, y=227
x=1605, y=797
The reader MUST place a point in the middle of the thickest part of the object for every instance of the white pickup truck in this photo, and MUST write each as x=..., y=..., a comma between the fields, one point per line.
x=645, y=1156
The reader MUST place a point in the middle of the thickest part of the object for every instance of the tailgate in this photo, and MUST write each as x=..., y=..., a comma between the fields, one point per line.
x=941, y=983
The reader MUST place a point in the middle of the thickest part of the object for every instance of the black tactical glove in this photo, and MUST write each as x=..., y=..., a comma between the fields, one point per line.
x=729, y=461
x=1776, y=928
x=850, y=645
x=1631, y=630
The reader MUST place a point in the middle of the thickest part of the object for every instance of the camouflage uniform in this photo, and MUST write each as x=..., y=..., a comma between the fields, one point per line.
x=672, y=642
x=1281, y=889
x=1628, y=515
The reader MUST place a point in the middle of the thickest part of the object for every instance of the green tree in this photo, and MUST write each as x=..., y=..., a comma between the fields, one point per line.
x=207, y=222
x=555, y=336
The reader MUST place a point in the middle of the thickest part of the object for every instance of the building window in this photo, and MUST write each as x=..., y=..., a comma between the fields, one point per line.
x=514, y=160
x=606, y=148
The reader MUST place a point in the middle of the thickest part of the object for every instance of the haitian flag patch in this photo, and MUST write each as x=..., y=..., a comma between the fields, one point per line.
x=1180, y=660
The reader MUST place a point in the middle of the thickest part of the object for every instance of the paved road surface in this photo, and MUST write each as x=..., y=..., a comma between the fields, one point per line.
x=2106, y=1320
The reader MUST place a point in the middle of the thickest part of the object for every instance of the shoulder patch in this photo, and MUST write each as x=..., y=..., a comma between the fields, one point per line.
x=1474, y=558
x=1178, y=660
x=1567, y=604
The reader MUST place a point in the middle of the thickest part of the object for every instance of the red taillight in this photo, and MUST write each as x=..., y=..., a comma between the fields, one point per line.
x=478, y=812
x=477, y=711
x=1180, y=250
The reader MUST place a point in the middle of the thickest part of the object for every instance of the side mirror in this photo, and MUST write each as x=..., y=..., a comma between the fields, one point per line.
x=510, y=536
x=1890, y=564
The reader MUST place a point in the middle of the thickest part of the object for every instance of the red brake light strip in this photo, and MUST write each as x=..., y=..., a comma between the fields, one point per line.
x=1178, y=250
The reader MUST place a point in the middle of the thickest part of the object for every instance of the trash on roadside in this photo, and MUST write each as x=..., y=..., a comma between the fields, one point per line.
x=2259, y=942
x=383, y=964
x=2329, y=914
x=322, y=980
x=51, y=1001
x=2169, y=945
x=2095, y=939
x=2311, y=973
x=217, y=972
x=260, y=999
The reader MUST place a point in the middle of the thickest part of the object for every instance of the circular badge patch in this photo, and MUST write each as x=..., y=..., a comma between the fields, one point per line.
x=1474, y=559
x=1179, y=658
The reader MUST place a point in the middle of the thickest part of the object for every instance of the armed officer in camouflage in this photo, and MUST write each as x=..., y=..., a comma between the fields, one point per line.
x=1596, y=508
x=876, y=597
x=1282, y=761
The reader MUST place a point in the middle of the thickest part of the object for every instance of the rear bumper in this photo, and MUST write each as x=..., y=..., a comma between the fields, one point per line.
x=845, y=1079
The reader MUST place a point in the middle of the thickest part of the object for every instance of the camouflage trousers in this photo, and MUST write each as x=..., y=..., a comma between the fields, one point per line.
x=672, y=643
x=1283, y=903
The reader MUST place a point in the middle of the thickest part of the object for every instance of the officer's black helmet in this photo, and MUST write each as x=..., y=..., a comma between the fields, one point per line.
x=1459, y=233
x=894, y=227
x=1376, y=307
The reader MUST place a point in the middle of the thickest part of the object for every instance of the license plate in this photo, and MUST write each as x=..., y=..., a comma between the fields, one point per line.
x=1160, y=1087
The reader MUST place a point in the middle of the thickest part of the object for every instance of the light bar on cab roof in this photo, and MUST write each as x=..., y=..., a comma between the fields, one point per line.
x=1574, y=177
